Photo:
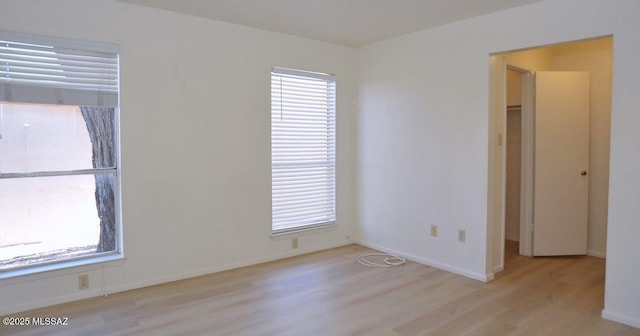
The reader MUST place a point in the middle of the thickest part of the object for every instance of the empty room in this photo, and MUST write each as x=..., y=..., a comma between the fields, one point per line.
x=305, y=167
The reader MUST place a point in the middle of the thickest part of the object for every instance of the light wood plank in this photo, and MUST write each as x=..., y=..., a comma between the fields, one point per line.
x=329, y=293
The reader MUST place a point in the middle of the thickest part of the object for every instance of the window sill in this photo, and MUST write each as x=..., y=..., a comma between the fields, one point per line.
x=52, y=270
x=302, y=231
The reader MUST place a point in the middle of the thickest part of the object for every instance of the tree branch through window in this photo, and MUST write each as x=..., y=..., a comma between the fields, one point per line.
x=100, y=124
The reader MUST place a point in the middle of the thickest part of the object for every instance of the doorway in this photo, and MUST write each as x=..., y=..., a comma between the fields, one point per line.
x=510, y=202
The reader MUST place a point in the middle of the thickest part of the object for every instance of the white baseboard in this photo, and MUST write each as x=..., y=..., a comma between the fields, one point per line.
x=85, y=294
x=160, y=280
x=630, y=321
x=598, y=254
x=473, y=275
x=222, y=268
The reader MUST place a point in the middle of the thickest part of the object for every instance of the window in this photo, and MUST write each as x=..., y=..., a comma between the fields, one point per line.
x=59, y=190
x=303, y=155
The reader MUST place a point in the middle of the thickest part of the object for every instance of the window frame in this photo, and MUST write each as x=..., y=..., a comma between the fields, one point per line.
x=97, y=257
x=331, y=116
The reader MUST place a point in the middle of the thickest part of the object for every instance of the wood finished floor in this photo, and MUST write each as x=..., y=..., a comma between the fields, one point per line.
x=329, y=293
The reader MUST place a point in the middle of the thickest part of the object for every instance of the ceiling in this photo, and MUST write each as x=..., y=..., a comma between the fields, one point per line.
x=345, y=22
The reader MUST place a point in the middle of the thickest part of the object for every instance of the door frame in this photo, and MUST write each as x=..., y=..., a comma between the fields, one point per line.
x=496, y=198
x=527, y=158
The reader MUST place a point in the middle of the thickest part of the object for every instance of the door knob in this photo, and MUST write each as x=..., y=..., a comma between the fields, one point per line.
x=583, y=173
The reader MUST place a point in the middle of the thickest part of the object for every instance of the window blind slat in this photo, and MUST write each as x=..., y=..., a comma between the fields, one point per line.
x=304, y=213
x=285, y=210
x=46, y=74
x=64, y=80
x=277, y=176
x=302, y=149
x=55, y=59
x=289, y=178
x=307, y=143
x=303, y=195
x=291, y=187
x=59, y=68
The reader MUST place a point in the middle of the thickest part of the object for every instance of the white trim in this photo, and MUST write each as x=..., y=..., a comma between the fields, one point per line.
x=621, y=318
x=428, y=262
x=85, y=294
x=57, y=269
x=597, y=254
x=496, y=165
x=117, y=202
x=92, y=171
x=527, y=161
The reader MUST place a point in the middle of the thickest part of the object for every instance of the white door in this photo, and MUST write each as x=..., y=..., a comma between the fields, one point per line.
x=561, y=155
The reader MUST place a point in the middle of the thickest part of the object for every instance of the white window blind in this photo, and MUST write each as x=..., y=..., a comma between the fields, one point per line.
x=303, y=121
x=47, y=72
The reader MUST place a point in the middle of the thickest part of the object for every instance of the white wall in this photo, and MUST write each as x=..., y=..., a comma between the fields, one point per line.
x=428, y=94
x=195, y=123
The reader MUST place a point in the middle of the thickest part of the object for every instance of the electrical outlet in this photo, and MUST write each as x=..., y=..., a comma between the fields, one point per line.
x=294, y=243
x=83, y=281
x=462, y=236
x=434, y=230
